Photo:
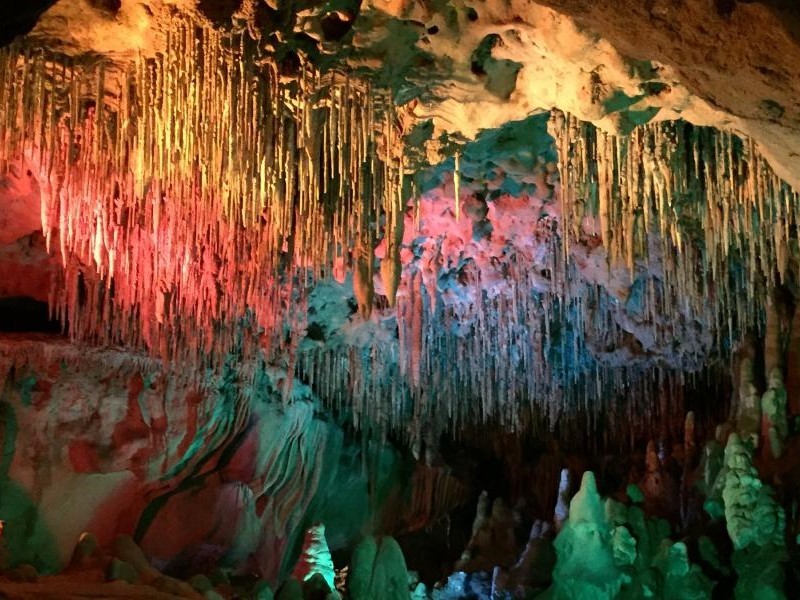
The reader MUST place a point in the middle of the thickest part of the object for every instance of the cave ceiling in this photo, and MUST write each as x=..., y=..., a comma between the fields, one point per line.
x=498, y=126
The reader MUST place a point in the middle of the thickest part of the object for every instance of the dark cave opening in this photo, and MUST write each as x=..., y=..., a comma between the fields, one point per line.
x=23, y=314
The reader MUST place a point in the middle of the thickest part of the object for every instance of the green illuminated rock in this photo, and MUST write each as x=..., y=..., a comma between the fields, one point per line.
x=592, y=553
x=378, y=570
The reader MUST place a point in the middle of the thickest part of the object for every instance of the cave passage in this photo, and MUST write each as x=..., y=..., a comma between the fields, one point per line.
x=23, y=314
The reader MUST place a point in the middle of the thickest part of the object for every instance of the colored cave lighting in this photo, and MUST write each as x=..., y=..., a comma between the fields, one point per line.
x=204, y=192
x=696, y=205
x=189, y=190
x=525, y=330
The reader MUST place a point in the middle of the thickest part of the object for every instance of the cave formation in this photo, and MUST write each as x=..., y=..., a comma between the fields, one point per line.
x=399, y=300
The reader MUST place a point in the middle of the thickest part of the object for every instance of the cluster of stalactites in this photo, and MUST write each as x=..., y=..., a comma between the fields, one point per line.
x=186, y=191
x=699, y=208
x=520, y=362
x=705, y=230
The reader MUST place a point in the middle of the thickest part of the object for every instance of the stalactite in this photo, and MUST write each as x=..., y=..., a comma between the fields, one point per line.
x=363, y=287
x=187, y=191
x=696, y=219
x=562, y=504
x=391, y=267
x=197, y=185
x=719, y=211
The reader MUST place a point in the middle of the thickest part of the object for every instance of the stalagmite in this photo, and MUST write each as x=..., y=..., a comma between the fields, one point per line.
x=315, y=557
x=681, y=578
x=534, y=567
x=659, y=487
x=493, y=542
x=589, y=563
x=562, y=503
x=481, y=518
x=743, y=497
x=378, y=570
x=748, y=411
x=689, y=463
x=755, y=522
x=774, y=422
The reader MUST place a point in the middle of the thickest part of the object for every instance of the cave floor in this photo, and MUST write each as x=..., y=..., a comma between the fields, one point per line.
x=59, y=587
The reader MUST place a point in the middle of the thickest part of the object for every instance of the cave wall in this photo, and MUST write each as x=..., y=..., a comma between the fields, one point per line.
x=101, y=441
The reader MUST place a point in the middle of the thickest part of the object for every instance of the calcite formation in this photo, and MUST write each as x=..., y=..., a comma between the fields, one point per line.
x=378, y=570
x=591, y=552
x=312, y=300
x=316, y=557
x=305, y=174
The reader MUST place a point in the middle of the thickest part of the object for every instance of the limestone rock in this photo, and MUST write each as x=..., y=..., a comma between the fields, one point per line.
x=586, y=565
x=219, y=577
x=316, y=588
x=262, y=591
x=200, y=583
x=378, y=570
x=119, y=570
x=86, y=552
x=315, y=557
x=125, y=549
x=23, y=573
x=170, y=585
x=290, y=590
x=464, y=585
